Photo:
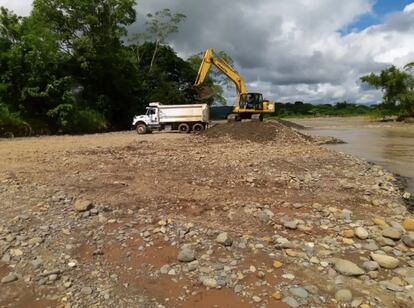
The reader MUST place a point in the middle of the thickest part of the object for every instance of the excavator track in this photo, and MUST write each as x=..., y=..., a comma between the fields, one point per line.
x=257, y=117
x=233, y=118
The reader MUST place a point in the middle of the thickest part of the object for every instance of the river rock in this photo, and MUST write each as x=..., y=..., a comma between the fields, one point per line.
x=210, y=283
x=256, y=299
x=346, y=214
x=361, y=233
x=6, y=258
x=9, y=278
x=391, y=233
x=408, y=224
x=83, y=205
x=347, y=268
x=371, y=246
x=263, y=217
x=224, y=239
x=391, y=286
x=343, y=295
x=370, y=266
x=379, y=221
x=349, y=233
x=292, y=225
x=299, y=292
x=16, y=252
x=291, y=302
x=186, y=254
x=87, y=290
x=408, y=239
x=35, y=241
x=385, y=261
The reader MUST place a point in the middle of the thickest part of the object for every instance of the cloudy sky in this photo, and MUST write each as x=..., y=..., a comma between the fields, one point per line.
x=310, y=50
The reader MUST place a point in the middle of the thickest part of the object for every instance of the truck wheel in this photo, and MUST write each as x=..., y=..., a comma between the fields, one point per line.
x=198, y=127
x=184, y=128
x=142, y=129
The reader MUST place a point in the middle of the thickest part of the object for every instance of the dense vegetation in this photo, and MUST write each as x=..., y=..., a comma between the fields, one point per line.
x=72, y=67
x=300, y=109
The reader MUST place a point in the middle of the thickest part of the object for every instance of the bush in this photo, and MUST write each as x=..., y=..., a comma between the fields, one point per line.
x=11, y=124
x=69, y=118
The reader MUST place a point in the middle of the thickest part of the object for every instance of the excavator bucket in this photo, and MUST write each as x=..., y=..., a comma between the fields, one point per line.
x=203, y=93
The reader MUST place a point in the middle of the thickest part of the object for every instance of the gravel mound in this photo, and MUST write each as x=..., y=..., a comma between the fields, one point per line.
x=261, y=132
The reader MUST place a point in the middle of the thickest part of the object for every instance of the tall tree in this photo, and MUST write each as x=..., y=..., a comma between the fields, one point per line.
x=160, y=25
x=397, y=86
x=92, y=33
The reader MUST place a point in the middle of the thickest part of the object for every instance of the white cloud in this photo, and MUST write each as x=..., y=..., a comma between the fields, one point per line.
x=290, y=49
x=293, y=50
x=409, y=8
x=20, y=7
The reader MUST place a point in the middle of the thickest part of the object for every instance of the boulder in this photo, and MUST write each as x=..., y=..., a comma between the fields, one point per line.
x=408, y=224
x=347, y=268
x=186, y=254
x=224, y=239
x=408, y=239
x=83, y=205
x=361, y=233
x=385, y=261
x=391, y=233
x=343, y=295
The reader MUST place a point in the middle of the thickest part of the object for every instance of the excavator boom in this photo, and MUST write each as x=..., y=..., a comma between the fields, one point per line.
x=208, y=60
x=248, y=105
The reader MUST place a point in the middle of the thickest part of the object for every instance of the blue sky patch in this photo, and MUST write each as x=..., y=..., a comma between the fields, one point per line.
x=381, y=9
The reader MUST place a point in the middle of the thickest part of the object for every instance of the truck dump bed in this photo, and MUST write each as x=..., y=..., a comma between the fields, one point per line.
x=183, y=113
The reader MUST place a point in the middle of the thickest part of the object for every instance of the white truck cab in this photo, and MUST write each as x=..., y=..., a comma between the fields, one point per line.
x=182, y=118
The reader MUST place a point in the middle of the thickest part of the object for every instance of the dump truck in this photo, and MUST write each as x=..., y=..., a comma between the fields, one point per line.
x=181, y=118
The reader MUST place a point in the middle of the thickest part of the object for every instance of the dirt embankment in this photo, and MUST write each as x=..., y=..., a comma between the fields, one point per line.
x=243, y=216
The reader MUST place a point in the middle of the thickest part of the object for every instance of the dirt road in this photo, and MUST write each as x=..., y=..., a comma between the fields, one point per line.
x=168, y=220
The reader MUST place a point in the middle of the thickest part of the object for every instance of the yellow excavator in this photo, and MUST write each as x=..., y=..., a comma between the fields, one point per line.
x=248, y=105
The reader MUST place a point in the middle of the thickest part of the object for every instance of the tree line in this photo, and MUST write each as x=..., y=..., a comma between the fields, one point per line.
x=73, y=67
x=339, y=109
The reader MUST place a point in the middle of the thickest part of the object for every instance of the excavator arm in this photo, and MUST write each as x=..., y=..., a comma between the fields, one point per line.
x=248, y=105
x=210, y=59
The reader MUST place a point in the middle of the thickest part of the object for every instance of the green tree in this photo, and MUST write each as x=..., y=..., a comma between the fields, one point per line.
x=160, y=26
x=398, y=88
x=170, y=80
x=32, y=75
x=91, y=33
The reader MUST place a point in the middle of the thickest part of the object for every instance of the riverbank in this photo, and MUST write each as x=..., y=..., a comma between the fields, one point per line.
x=120, y=220
x=388, y=144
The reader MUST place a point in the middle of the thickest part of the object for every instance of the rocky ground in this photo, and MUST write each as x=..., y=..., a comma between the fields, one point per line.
x=219, y=220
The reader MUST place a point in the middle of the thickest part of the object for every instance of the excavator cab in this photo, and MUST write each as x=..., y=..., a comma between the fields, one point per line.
x=251, y=101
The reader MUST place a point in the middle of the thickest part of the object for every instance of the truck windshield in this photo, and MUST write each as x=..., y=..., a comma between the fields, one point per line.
x=151, y=111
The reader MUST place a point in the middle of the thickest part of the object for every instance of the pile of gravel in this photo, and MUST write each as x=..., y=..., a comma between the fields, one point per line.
x=261, y=132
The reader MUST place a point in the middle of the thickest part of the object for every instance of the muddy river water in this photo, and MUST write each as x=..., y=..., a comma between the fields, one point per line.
x=388, y=144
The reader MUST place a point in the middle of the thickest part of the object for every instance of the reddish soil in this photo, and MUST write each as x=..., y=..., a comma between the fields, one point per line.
x=193, y=187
